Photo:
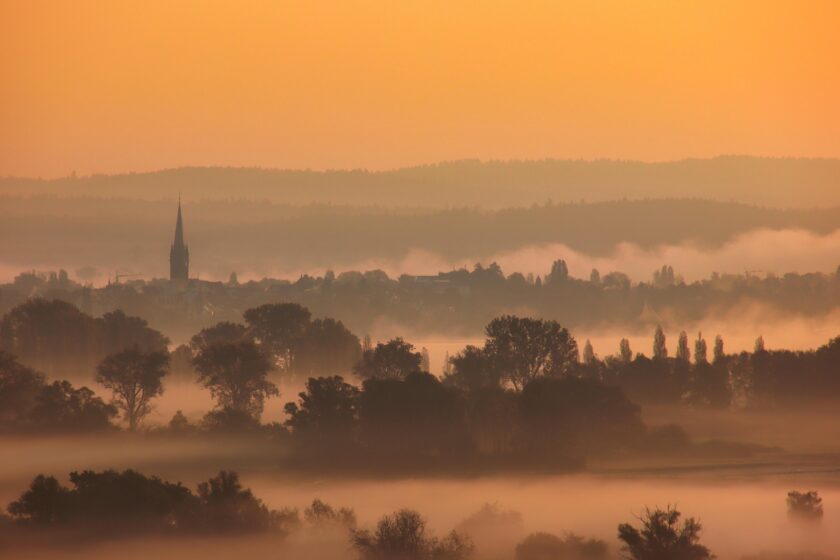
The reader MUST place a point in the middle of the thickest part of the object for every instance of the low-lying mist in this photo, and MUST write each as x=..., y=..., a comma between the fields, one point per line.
x=94, y=238
x=740, y=517
x=758, y=252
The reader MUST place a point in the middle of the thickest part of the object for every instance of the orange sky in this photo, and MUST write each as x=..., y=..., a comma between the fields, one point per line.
x=116, y=86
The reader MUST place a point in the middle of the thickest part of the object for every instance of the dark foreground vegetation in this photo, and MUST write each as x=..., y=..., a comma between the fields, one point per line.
x=525, y=398
x=108, y=505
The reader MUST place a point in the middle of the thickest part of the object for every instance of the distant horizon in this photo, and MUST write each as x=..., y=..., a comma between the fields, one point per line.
x=73, y=174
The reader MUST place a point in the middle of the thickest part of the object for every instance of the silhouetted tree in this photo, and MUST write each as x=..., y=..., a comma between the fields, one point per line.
x=660, y=351
x=179, y=423
x=129, y=501
x=55, y=337
x=403, y=536
x=417, y=415
x=588, y=354
x=525, y=349
x=224, y=331
x=236, y=374
x=28, y=403
x=708, y=386
x=59, y=407
x=805, y=505
x=425, y=361
x=624, y=351
x=134, y=379
x=683, y=353
x=321, y=515
x=180, y=364
x=45, y=503
x=393, y=360
x=229, y=507
x=447, y=364
x=719, y=353
x=326, y=413
x=595, y=276
x=575, y=416
x=700, y=354
x=646, y=380
x=52, y=336
x=472, y=369
x=19, y=387
x=559, y=272
x=326, y=348
x=120, y=332
x=664, y=277
x=662, y=537
x=278, y=328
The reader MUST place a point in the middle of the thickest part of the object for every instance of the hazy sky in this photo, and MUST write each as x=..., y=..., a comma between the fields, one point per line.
x=111, y=86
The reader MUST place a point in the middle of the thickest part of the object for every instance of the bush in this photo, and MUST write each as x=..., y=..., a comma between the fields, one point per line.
x=545, y=546
x=29, y=404
x=321, y=515
x=663, y=537
x=129, y=501
x=806, y=506
x=126, y=498
x=229, y=507
x=402, y=536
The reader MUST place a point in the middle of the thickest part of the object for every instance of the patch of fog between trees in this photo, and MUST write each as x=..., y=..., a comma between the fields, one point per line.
x=738, y=519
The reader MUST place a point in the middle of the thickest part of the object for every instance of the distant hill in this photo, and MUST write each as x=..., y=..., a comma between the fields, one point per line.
x=776, y=182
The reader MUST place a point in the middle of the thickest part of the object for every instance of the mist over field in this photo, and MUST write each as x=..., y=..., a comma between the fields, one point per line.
x=742, y=513
x=419, y=280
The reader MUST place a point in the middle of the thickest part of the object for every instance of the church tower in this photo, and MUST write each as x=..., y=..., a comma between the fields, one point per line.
x=179, y=254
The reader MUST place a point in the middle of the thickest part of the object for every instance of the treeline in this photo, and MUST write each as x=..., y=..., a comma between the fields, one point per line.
x=265, y=240
x=54, y=336
x=459, y=302
x=110, y=504
x=526, y=397
x=29, y=404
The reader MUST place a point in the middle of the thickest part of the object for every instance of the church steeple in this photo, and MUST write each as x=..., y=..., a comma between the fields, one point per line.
x=179, y=254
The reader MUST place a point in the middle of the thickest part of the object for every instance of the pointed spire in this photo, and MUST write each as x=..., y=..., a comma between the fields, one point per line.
x=179, y=254
x=179, y=226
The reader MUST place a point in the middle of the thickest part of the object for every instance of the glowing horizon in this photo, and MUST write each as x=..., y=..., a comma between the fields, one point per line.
x=97, y=87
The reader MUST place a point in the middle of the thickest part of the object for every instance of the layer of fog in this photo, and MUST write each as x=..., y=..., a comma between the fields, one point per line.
x=739, y=517
x=758, y=252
